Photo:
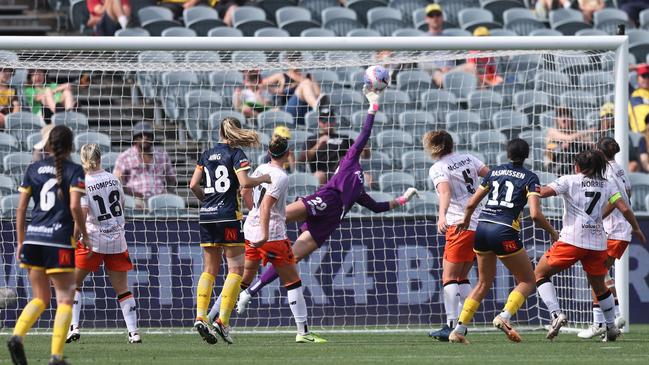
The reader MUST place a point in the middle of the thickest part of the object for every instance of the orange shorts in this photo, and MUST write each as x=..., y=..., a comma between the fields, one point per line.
x=459, y=245
x=278, y=253
x=616, y=248
x=563, y=255
x=113, y=262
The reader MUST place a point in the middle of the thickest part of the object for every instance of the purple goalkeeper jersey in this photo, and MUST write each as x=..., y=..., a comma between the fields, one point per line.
x=348, y=181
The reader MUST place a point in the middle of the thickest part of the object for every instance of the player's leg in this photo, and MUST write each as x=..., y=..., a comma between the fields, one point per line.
x=596, y=271
x=598, y=327
x=296, y=212
x=41, y=298
x=554, y=261
x=235, y=256
x=75, y=334
x=64, y=286
x=486, y=276
x=119, y=280
x=211, y=264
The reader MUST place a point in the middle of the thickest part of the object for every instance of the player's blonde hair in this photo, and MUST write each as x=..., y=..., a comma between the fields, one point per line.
x=90, y=156
x=236, y=136
x=438, y=143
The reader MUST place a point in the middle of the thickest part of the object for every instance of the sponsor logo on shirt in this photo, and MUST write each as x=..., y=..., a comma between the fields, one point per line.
x=44, y=229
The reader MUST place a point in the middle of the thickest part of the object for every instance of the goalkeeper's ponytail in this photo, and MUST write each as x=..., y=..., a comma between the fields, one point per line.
x=236, y=136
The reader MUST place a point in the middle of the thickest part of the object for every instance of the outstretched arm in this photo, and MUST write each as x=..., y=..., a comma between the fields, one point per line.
x=357, y=148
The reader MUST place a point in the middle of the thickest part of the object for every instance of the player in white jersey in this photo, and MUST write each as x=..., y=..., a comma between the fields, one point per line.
x=266, y=239
x=618, y=232
x=456, y=178
x=586, y=196
x=103, y=209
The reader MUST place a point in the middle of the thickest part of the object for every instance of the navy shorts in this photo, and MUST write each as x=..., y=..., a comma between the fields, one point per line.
x=222, y=234
x=324, y=210
x=497, y=238
x=50, y=259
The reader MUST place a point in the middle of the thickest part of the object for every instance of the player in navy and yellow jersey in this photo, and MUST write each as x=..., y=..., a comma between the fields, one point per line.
x=220, y=172
x=508, y=187
x=46, y=244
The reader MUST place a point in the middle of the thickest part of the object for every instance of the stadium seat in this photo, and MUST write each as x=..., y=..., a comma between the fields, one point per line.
x=157, y=26
x=639, y=189
x=203, y=58
x=644, y=19
x=546, y=119
x=567, y=21
x=608, y=20
x=7, y=185
x=8, y=143
x=413, y=81
x=103, y=140
x=337, y=12
x=150, y=13
x=224, y=32
x=546, y=177
x=294, y=19
x=363, y=7
x=646, y=205
x=471, y=18
x=79, y=15
x=485, y=102
x=266, y=121
x=500, y=32
x=380, y=119
x=387, y=26
x=426, y=203
x=439, y=102
x=316, y=7
x=16, y=163
x=545, y=33
x=9, y=205
x=407, y=7
x=395, y=102
x=463, y=123
x=383, y=12
x=640, y=49
x=552, y=83
x=22, y=124
x=532, y=102
x=509, y=119
x=342, y=26
x=363, y=32
x=580, y=102
x=271, y=32
x=298, y=139
x=301, y=184
x=394, y=142
x=214, y=122
x=502, y=159
x=489, y=142
x=224, y=83
x=202, y=19
x=175, y=85
x=396, y=182
x=452, y=9
x=456, y=32
x=178, y=32
x=345, y=103
x=327, y=79
x=199, y=105
x=378, y=162
x=460, y=83
x=247, y=13
x=418, y=122
x=257, y=57
x=498, y=7
x=590, y=31
x=378, y=196
x=166, y=205
x=418, y=163
x=409, y=32
x=317, y=32
x=31, y=140
x=148, y=81
x=524, y=26
x=514, y=13
x=132, y=32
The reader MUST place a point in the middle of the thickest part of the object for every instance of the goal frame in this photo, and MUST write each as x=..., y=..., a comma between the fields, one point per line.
x=618, y=44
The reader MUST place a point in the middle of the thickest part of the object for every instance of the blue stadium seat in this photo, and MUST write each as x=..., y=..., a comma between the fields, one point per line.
x=7, y=185
x=362, y=8
x=419, y=122
x=8, y=143
x=345, y=103
x=524, y=26
x=202, y=19
x=500, y=32
x=394, y=102
x=175, y=85
x=271, y=32
x=166, y=205
x=317, y=32
x=407, y=7
x=214, y=122
x=608, y=20
x=301, y=184
x=452, y=8
x=417, y=163
x=342, y=26
x=148, y=81
x=485, y=102
x=317, y=6
x=567, y=21
x=498, y=7
x=363, y=32
x=639, y=190
x=22, y=124
x=545, y=33
x=380, y=119
x=509, y=119
x=426, y=203
x=471, y=18
x=532, y=102
x=460, y=83
x=224, y=83
x=16, y=163
x=178, y=32
x=463, y=123
x=413, y=81
x=517, y=13
x=438, y=102
x=337, y=12
x=199, y=105
x=378, y=162
x=73, y=120
x=266, y=121
x=409, y=32
x=387, y=26
x=644, y=19
x=456, y=32
x=224, y=32
x=490, y=142
x=383, y=12
x=295, y=19
x=590, y=31
x=396, y=182
x=102, y=139
x=132, y=32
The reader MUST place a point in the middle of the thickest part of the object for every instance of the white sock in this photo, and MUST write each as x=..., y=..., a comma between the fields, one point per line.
x=505, y=315
x=123, y=21
x=549, y=296
x=464, y=289
x=298, y=307
x=607, y=305
x=214, y=312
x=129, y=311
x=451, y=302
x=598, y=315
x=617, y=309
x=76, y=309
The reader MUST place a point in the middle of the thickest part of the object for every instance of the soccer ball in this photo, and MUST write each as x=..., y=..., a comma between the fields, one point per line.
x=8, y=298
x=376, y=78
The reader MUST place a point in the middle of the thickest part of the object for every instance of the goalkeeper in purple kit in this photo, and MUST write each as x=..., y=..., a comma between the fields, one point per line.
x=323, y=211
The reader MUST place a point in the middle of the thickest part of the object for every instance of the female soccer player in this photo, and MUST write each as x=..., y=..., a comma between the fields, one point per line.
x=510, y=187
x=455, y=176
x=265, y=232
x=45, y=245
x=323, y=211
x=586, y=195
x=618, y=232
x=219, y=173
x=103, y=210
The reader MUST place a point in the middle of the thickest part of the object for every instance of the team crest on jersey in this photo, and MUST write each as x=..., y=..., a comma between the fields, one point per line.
x=65, y=257
x=215, y=157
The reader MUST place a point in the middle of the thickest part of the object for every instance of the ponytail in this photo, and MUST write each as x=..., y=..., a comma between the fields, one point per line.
x=60, y=145
x=90, y=157
x=236, y=136
x=592, y=164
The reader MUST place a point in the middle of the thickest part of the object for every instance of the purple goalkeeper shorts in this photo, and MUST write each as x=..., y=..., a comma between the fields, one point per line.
x=324, y=210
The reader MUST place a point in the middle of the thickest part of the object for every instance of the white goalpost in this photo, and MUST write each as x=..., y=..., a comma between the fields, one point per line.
x=378, y=271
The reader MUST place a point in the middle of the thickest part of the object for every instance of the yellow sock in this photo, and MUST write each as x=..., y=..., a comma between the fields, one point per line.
x=28, y=317
x=204, y=293
x=61, y=324
x=229, y=295
x=468, y=310
x=514, y=302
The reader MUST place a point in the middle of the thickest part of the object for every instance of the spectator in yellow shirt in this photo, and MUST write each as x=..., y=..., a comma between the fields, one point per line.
x=9, y=102
x=639, y=101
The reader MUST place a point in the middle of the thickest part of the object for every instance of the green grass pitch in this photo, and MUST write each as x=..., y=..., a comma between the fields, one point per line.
x=346, y=348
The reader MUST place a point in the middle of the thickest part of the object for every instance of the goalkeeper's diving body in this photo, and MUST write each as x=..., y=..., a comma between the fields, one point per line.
x=323, y=211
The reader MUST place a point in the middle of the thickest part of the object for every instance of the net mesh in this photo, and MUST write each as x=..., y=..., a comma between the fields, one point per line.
x=376, y=270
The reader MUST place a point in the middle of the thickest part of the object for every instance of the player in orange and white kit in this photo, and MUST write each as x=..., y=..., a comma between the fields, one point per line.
x=587, y=196
x=103, y=209
x=456, y=178
x=265, y=232
x=618, y=232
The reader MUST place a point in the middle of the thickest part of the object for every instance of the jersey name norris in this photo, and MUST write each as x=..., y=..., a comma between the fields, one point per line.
x=592, y=183
x=459, y=164
x=516, y=174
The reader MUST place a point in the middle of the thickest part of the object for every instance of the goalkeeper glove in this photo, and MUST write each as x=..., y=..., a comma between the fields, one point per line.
x=373, y=98
x=407, y=195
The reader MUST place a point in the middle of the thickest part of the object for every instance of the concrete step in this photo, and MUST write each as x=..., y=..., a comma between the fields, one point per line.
x=32, y=30
x=13, y=9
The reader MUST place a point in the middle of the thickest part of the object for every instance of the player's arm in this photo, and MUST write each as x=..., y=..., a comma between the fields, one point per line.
x=195, y=183
x=246, y=194
x=78, y=215
x=534, y=201
x=250, y=182
x=483, y=171
x=21, y=213
x=547, y=192
x=264, y=219
x=628, y=215
x=444, y=193
x=471, y=206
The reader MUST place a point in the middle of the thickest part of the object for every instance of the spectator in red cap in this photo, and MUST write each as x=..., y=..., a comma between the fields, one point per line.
x=639, y=101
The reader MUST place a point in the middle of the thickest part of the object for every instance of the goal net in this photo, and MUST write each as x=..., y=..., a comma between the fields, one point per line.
x=377, y=271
